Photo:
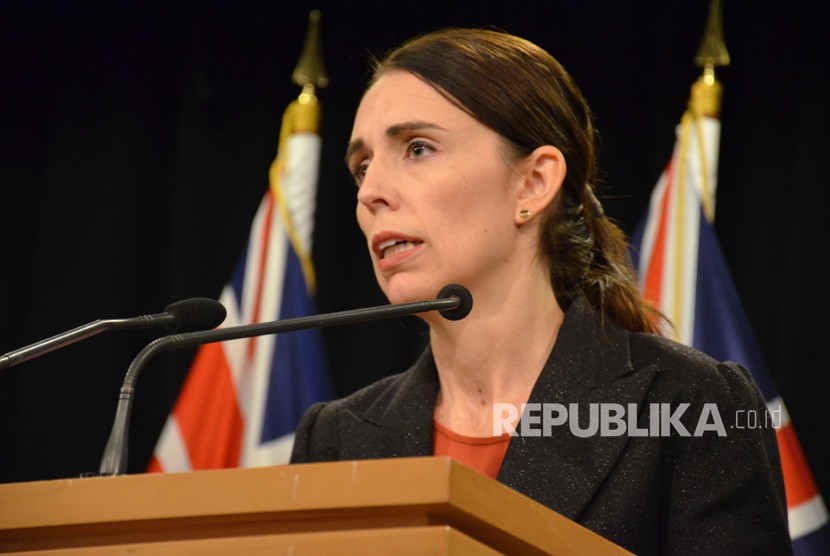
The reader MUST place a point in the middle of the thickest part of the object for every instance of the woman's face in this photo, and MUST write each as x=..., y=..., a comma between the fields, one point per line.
x=436, y=198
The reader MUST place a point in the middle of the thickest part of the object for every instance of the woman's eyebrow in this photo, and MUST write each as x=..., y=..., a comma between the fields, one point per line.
x=392, y=131
x=416, y=125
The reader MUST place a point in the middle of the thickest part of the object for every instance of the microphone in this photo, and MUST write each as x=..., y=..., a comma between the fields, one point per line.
x=454, y=302
x=197, y=313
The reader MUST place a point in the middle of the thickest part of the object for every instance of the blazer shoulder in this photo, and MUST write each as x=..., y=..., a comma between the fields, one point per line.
x=651, y=349
x=723, y=471
x=684, y=368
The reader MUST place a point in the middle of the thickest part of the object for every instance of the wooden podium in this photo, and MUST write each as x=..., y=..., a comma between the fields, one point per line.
x=397, y=506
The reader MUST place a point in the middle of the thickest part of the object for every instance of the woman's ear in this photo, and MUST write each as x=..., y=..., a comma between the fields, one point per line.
x=543, y=173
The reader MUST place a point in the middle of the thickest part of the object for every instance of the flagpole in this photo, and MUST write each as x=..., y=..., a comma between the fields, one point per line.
x=254, y=395
x=704, y=102
x=301, y=116
x=289, y=206
x=706, y=94
x=684, y=273
x=808, y=516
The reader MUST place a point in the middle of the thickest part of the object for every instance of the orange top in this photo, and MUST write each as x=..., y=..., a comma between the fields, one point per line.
x=482, y=453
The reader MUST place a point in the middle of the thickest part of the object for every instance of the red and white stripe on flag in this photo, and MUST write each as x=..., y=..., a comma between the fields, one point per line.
x=669, y=250
x=805, y=506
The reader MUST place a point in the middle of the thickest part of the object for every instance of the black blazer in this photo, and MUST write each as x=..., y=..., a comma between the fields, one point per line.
x=652, y=495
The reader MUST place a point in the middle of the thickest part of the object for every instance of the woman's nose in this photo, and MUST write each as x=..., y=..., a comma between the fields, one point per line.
x=376, y=189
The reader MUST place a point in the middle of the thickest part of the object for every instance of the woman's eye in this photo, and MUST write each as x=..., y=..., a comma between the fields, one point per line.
x=419, y=149
x=359, y=172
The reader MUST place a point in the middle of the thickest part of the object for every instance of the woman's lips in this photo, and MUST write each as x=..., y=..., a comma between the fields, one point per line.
x=383, y=241
x=392, y=248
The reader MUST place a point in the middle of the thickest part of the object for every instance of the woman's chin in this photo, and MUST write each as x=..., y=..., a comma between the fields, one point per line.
x=401, y=291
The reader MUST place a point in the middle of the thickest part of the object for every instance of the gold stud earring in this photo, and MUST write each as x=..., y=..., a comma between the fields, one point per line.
x=524, y=213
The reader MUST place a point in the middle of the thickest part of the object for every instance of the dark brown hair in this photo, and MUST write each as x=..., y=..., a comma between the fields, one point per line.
x=520, y=91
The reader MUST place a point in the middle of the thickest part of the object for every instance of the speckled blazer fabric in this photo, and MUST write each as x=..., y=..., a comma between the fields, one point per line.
x=672, y=494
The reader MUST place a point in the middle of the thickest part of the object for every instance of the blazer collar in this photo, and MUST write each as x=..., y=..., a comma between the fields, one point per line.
x=592, y=349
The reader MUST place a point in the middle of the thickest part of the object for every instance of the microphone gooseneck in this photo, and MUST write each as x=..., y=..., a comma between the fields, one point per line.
x=454, y=302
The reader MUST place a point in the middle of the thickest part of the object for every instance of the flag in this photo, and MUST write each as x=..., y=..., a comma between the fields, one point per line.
x=683, y=272
x=242, y=399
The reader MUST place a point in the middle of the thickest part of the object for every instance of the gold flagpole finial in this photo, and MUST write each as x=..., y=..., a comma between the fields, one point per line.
x=310, y=72
x=706, y=91
x=712, y=52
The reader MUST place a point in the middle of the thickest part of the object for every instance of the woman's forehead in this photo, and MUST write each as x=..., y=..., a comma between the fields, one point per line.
x=400, y=97
x=400, y=88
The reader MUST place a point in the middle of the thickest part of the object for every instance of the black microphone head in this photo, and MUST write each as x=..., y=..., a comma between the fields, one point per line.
x=197, y=313
x=465, y=298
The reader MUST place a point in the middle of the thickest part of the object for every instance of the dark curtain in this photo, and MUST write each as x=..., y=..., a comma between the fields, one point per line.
x=136, y=139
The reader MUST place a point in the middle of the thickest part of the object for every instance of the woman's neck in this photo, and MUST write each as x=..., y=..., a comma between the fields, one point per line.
x=495, y=355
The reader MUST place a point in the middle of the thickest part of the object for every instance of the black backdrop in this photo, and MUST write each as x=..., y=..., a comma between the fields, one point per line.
x=136, y=139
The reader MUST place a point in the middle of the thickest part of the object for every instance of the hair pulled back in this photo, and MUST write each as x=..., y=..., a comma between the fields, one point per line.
x=521, y=92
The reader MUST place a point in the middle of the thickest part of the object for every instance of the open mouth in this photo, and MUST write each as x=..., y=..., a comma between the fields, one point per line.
x=393, y=247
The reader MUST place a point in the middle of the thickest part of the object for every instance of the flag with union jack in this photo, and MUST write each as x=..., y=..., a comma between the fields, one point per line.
x=684, y=274
x=242, y=399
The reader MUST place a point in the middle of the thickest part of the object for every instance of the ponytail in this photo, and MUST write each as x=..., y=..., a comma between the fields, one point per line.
x=588, y=257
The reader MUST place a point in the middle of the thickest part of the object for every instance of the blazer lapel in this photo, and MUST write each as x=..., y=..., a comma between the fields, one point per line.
x=400, y=422
x=590, y=364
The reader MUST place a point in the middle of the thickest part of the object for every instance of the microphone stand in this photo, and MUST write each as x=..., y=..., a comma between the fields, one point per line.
x=454, y=303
